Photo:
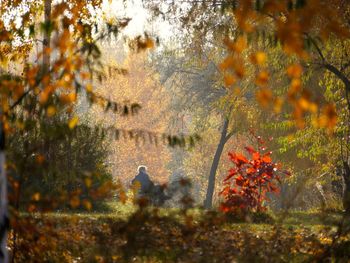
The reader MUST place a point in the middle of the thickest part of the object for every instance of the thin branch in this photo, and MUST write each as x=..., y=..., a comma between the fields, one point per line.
x=334, y=70
x=319, y=51
x=16, y=103
x=228, y=136
x=345, y=66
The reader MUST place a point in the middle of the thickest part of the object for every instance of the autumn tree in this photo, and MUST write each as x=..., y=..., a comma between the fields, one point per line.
x=138, y=83
x=214, y=100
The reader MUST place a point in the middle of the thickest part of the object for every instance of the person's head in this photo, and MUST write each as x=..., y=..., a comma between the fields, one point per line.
x=142, y=169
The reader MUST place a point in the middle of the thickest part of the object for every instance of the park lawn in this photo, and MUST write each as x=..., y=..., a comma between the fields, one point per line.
x=125, y=234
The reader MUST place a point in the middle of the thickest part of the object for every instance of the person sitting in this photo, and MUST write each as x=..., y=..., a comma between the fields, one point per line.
x=159, y=196
x=145, y=183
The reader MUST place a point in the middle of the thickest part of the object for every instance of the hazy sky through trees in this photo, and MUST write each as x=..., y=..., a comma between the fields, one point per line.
x=142, y=20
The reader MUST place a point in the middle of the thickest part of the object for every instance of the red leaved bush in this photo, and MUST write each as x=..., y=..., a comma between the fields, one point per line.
x=247, y=183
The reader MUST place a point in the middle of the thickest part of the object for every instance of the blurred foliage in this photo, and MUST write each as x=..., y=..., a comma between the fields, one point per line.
x=153, y=235
x=53, y=167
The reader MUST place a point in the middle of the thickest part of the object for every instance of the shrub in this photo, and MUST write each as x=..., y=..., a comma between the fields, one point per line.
x=53, y=167
x=247, y=184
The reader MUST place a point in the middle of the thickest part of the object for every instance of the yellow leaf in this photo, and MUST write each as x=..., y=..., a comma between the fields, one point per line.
x=88, y=88
x=50, y=111
x=315, y=121
x=36, y=197
x=290, y=137
x=295, y=85
x=304, y=103
x=87, y=204
x=88, y=182
x=73, y=122
x=43, y=97
x=313, y=107
x=68, y=98
x=36, y=90
x=149, y=43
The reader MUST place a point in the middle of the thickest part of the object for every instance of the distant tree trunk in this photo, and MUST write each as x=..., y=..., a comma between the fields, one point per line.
x=46, y=39
x=46, y=65
x=214, y=166
x=341, y=75
x=4, y=222
x=322, y=194
x=346, y=191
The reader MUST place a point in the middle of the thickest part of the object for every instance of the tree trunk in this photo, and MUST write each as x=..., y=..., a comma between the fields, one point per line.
x=344, y=79
x=346, y=191
x=322, y=195
x=346, y=168
x=46, y=39
x=214, y=166
x=4, y=222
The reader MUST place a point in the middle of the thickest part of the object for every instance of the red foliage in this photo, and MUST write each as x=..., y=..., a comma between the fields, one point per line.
x=247, y=183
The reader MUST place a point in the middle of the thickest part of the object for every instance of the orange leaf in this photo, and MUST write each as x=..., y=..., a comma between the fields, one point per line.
x=240, y=70
x=258, y=58
x=229, y=80
x=277, y=106
x=240, y=44
x=329, y=117
x=294, y=71
x=264, y=96
x=227, y=63
x=262, y=78
x=74, y=202
x=267, y=158
x=40, y=158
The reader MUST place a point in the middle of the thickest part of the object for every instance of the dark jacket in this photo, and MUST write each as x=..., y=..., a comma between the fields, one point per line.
x=145, y=182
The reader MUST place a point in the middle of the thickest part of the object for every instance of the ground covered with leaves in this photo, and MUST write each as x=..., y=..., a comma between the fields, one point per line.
x=167, y=235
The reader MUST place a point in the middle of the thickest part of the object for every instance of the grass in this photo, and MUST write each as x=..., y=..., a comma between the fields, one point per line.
x=170, y=235
x=293, y=219
x=119, y=211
